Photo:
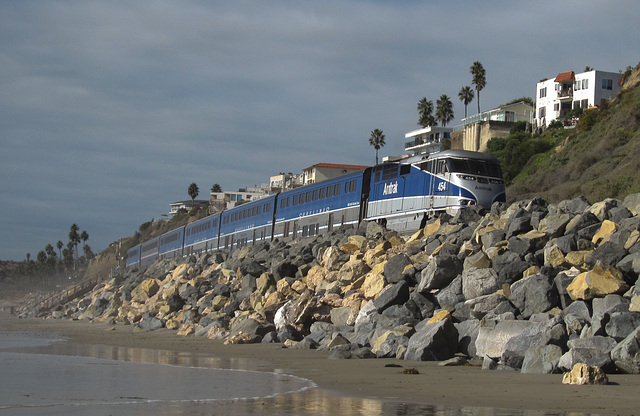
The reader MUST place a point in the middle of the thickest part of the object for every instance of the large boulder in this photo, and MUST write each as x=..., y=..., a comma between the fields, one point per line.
x=598, y=282
x=440, y=271
x=584, y=374
x=433, y=342
x=534, y=294
x=626, y=355
x=396, y=294
x=494, y=334
x=541, y=359
x=594, y=350
x=479, y=282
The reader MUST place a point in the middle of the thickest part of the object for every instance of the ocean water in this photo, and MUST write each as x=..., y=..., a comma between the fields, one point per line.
x=43, y=376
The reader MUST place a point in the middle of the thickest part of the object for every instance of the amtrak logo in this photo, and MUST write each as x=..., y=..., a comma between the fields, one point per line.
x=390, y=188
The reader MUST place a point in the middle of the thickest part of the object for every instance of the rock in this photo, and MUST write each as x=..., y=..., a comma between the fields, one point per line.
x=295, y=312
x=482, y=305
x=626, y=355
x=584, y=374
x=394, y=268
x=395, y=294
x=596, y=283
x=621, y=324
x=542, y=359
x=467, y=335
x=494, y=334
x=479, y=282
x=340, y=316
x=147, y=289
x=440, y=271
x=533, y=295
x=594, y=350
x=608, y=254
x=374, y=282
x=434, y=342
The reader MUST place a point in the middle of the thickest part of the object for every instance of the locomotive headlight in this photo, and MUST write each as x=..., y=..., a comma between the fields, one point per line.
x=496, y=181
x=467, y=177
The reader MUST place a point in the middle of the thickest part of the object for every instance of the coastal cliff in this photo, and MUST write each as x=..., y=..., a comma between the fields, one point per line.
x=533, y=286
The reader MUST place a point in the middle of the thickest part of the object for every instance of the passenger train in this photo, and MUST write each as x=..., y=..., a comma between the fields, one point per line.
x=400, y=194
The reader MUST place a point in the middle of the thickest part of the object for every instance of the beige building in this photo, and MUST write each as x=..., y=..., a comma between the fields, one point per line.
x=478, y=129
x=323, y=171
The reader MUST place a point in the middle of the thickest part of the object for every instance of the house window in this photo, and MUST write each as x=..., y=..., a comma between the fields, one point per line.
x=607, y=84
x=543, y=92
x=542, y=112
x=585, y=84
x=556, y=107
x=584, y=103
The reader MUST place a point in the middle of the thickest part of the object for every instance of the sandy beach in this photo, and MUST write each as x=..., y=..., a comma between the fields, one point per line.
x=435, y=385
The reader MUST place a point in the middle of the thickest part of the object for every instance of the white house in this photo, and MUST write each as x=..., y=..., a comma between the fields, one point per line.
x=556, y=97
x=426, y=140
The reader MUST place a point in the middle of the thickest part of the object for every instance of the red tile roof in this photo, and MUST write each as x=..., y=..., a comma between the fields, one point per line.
x=565, y=76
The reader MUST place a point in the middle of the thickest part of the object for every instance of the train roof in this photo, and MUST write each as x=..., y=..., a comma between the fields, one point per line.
x=457, y=153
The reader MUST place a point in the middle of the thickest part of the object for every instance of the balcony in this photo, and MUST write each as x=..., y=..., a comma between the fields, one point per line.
x=568, y=93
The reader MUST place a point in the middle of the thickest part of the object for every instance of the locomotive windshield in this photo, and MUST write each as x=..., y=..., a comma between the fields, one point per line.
x=468, y=166
x=476, y=167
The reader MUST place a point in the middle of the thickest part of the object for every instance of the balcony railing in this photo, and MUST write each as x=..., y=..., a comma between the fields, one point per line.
x=565, y=93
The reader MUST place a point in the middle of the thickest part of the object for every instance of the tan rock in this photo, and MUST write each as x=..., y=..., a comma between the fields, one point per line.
x=376, y=255
x=606, y=231
x=352, y=270
x=576, y=258
x=634, y=237
x=634, y=306
x=186, y=329
x=145, y=290
x=283, y=287
x=584, y=374
x=332, y=299
x=330, y=257
x=180, y=272
x=479, y=260
x=264, y=283
x=349, y=248
x=598, y=282
x=374, y=282
x=533, y=270
x=400, y=331
x=553, y=256
x=315, y=275
x=440, y=316
x=298, y=286
x=218, y=302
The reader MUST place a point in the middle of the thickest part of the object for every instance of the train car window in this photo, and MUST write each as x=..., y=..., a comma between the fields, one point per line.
x=315, y=195
x=346, y=187
x=405, y=169
x=295, y=200
x=329, y=191
x=308, y=196
x=427, y=166
x=353, y=185
x=322, y=192
x=215, y=224
x=336, y=189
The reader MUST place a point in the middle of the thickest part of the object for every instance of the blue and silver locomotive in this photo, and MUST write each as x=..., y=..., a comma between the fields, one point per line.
x=400, y=194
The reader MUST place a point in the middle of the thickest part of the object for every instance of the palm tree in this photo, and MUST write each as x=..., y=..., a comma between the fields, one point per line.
x=193, y=192
x=377, y=141
x=84, y=236
x=444, y=110
x=425, y=112
x=216, y=188
x=466, y=96
x=479, y=79
x=74, y=237
x=60, y=244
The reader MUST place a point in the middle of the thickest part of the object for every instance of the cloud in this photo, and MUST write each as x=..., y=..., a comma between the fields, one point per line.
x=109, y=110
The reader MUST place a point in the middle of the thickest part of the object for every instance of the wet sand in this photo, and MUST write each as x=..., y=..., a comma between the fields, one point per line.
x=435, y=385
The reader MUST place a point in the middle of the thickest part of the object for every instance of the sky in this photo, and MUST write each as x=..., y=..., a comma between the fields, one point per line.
x=109, y=110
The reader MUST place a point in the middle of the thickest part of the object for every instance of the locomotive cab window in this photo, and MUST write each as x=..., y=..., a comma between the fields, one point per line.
x=405, y=169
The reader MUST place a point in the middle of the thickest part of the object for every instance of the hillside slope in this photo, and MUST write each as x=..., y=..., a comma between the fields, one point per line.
x=599, y=160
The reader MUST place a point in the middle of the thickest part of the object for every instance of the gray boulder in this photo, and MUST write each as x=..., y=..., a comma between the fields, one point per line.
x=395, y=266
x=533, y=295
x=395, y=294
x=440, y=271
x=452, y=294
x=626, y=355
x=479, y=282
x=541, y=359
x=621, y=324
x=434, y=342
x=594, y=351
